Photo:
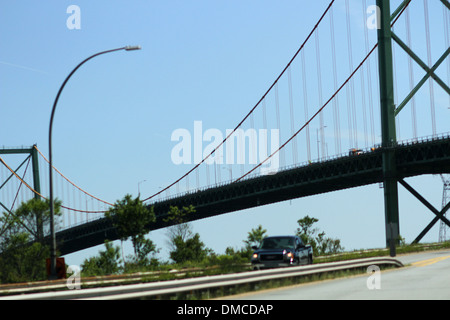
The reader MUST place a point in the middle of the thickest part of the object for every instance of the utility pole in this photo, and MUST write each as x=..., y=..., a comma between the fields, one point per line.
x=389, y=138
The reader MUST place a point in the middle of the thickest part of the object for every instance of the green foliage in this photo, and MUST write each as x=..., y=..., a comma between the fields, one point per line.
x=31, y=217
x=226, y=263
x=321, y=245
x=132, y=219
x=21, y=261
x=184, y=244
x=180, y=229
x=107, y=262
x=239, y=254
x=306, y=232
x=145, y=256
x=22, y=247
x=178, y=216
x=255, y=237
x=190, y=249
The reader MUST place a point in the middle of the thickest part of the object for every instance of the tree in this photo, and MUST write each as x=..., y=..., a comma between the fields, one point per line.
x=132, y=219
x=321, y=245
x=22, y=245
x=107, y=262
x=255, y=237
x=180, y=228
x=31, y=217
x=306, y=232
x=184, y=245
x=21, y=260
x=145, y=255
x=191, y=249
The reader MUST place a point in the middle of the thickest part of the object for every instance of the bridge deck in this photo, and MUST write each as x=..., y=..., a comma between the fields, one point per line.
x=430, y=156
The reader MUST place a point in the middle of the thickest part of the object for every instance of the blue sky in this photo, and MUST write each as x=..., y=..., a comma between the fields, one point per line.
x=202, y=60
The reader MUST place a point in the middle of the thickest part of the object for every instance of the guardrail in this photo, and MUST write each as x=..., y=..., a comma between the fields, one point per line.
x=163, y=288
x=96, y=281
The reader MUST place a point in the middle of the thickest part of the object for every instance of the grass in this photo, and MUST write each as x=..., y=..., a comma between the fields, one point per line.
x=403, y=249
x=230, y=265
x=291, y=281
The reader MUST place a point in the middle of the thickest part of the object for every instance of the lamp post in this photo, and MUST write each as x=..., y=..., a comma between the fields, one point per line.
x=139, y=190
x=53, y=274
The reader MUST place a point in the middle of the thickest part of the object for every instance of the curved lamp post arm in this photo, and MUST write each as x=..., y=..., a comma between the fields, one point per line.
x=53, y=274
x=127, y=48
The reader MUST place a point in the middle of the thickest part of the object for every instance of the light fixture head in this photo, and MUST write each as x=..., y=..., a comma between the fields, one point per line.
x=131, y=48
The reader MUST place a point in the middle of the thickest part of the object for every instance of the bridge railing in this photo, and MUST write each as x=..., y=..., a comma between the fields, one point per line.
x=320, y=160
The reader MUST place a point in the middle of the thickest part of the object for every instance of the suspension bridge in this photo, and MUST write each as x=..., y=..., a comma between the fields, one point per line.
x=351, y=108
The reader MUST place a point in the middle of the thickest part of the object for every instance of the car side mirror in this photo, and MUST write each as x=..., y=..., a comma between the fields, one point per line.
x=301, y=245
x=254, y=247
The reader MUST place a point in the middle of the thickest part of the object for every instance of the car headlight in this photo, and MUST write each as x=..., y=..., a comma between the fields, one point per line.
x=255, y=256
x=290, y=255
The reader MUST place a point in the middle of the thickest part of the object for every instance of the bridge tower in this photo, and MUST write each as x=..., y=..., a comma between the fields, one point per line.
x=388, y=113
x=389, y=138
x=33, y=154
x=445, y=200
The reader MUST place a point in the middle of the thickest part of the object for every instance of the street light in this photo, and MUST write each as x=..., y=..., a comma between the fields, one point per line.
x=139, y=190
x=53, y=274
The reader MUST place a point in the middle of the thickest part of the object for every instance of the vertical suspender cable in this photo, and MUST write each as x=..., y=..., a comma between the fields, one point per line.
x=291, y=108
x=258, y=103
x=218, y=171
x=253, y=146
x=411, y=74
x=62, y=211
x=319, y=90
x=430, y=81
x=264, y=118
x=446, y=15
x=337, y=133
x=369, y=83
x=349, y=88
x=197, y=177
x=80, y=205
x=187, y=183
x=208, y=180
x=363, y=94
x=397, y=119
x=86, y=203
x=305, y=105
x=364, y=107
x=74, y=200
x=264, y=110
x=69, y=205
x=277, y=105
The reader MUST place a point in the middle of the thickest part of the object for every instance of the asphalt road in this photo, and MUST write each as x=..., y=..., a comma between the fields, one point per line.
x=426, y=276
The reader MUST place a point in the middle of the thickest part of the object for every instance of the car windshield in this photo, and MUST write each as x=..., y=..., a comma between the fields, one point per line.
x=278, y=243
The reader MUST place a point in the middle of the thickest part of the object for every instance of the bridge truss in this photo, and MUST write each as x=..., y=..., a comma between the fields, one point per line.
x=389, y=112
